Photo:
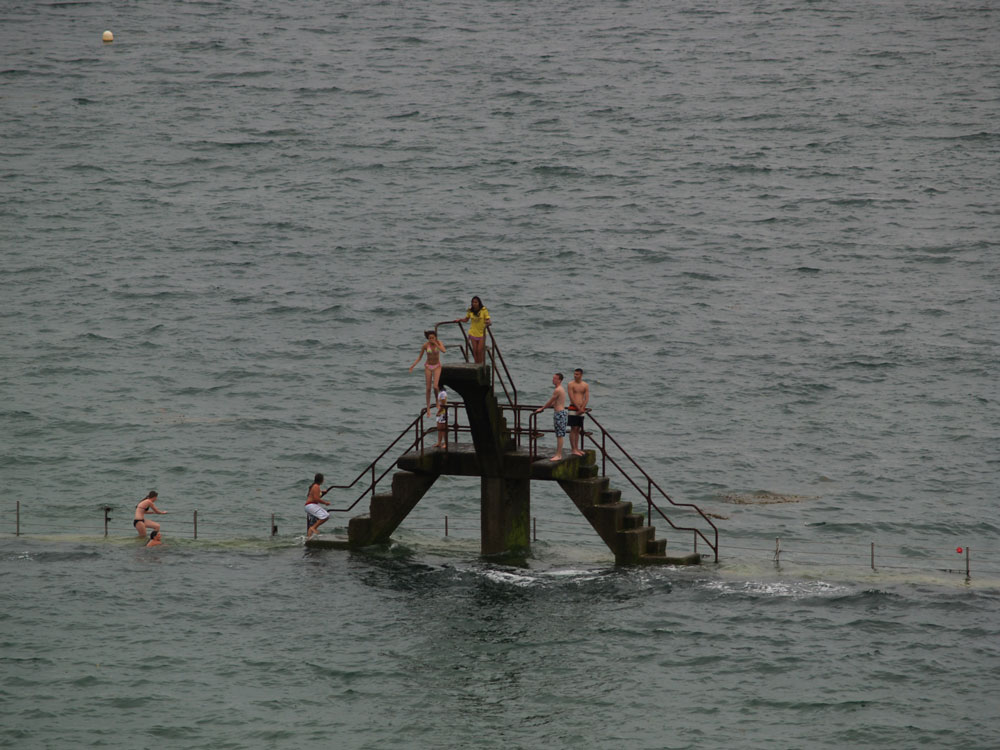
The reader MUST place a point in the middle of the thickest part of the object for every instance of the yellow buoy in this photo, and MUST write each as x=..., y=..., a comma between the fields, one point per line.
x=108, y=37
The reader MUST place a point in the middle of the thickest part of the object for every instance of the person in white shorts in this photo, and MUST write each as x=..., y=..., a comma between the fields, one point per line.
x=316, y=515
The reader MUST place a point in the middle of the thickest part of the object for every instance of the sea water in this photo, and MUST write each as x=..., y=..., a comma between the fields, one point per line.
x=767, y=233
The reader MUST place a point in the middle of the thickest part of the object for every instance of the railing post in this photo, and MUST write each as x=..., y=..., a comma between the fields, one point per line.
x=107, y=510
x=17, y=515
x=604, y=453
x=196, y=523
x=649, y=508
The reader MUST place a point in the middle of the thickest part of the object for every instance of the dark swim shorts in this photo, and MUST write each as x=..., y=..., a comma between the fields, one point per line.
x=575, y=420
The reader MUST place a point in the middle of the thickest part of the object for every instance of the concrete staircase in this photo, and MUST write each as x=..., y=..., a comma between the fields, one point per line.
x=506, y=474
x=388, y=510
x=624, y=531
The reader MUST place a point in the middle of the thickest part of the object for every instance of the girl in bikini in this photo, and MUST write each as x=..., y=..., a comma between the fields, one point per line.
x=147, y=505
x=432, y=368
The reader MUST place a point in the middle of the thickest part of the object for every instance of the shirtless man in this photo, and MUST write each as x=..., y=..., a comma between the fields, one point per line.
x=146, y=505
x=559, y=413
x=314, y=506
x=579, y=396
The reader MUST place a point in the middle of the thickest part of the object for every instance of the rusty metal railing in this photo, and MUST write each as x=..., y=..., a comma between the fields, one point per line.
x=417, y=425
x=504, y=378
x=643, y=484
x=647, y=493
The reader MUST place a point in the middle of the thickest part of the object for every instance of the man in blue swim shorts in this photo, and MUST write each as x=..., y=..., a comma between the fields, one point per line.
x=559, y=414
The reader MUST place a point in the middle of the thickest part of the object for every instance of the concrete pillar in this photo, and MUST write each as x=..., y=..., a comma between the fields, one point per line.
x=505, y=515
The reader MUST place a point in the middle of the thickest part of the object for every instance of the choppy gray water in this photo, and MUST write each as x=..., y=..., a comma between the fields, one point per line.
x=767, y=232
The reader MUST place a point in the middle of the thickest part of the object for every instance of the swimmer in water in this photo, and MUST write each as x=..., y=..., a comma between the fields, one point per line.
x=146, y=505
x=155, y=539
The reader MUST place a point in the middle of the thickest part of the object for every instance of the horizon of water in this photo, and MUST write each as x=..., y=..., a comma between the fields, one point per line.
x=766, y=232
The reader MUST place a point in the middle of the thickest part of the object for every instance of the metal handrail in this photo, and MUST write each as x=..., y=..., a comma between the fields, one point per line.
x=417, y=425
x=420, y=434
x=646, y=492
x=495, y=356
x=494, y=350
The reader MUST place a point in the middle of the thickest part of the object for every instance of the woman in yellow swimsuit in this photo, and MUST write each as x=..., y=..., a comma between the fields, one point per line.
x=480, y=320
x=432, y=368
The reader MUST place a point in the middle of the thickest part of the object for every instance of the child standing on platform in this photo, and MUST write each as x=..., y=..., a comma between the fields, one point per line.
x=442, y=419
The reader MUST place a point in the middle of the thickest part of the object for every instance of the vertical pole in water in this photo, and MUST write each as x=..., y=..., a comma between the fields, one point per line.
x=196, y=524
x=777, y=551
x=17, y=527
x=967, y=575
x=106, y=509
x=873, y=555
x=446, y=525
x=534, y=528
x=649, y=506
x=274, y=529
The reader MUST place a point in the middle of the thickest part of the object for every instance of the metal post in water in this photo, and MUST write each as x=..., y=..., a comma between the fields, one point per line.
x=873, y=555
x=196, y=524
x=274, y=529
x=967, y=575
x=446, y=525
x=17, y=527
x=534, y=528
x=106, y=519
x=777, y=551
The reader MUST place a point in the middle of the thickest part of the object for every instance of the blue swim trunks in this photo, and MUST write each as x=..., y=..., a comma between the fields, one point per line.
x=559, y=420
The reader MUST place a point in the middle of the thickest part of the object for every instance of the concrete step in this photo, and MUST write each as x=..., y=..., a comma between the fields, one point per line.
x=613, y=514
x=692, y=559
x=633, y=542
x=633, y=521
x=585, y=493
x=611, y=496
x=383, y=508
x=656, y=547
x=569, y=467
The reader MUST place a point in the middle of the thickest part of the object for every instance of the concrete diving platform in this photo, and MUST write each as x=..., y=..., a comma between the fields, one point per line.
x=506, y=472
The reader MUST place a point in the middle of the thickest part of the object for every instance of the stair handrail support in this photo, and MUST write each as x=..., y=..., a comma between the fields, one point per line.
x=495, y=356
x=417, y=425
x=648, y=493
